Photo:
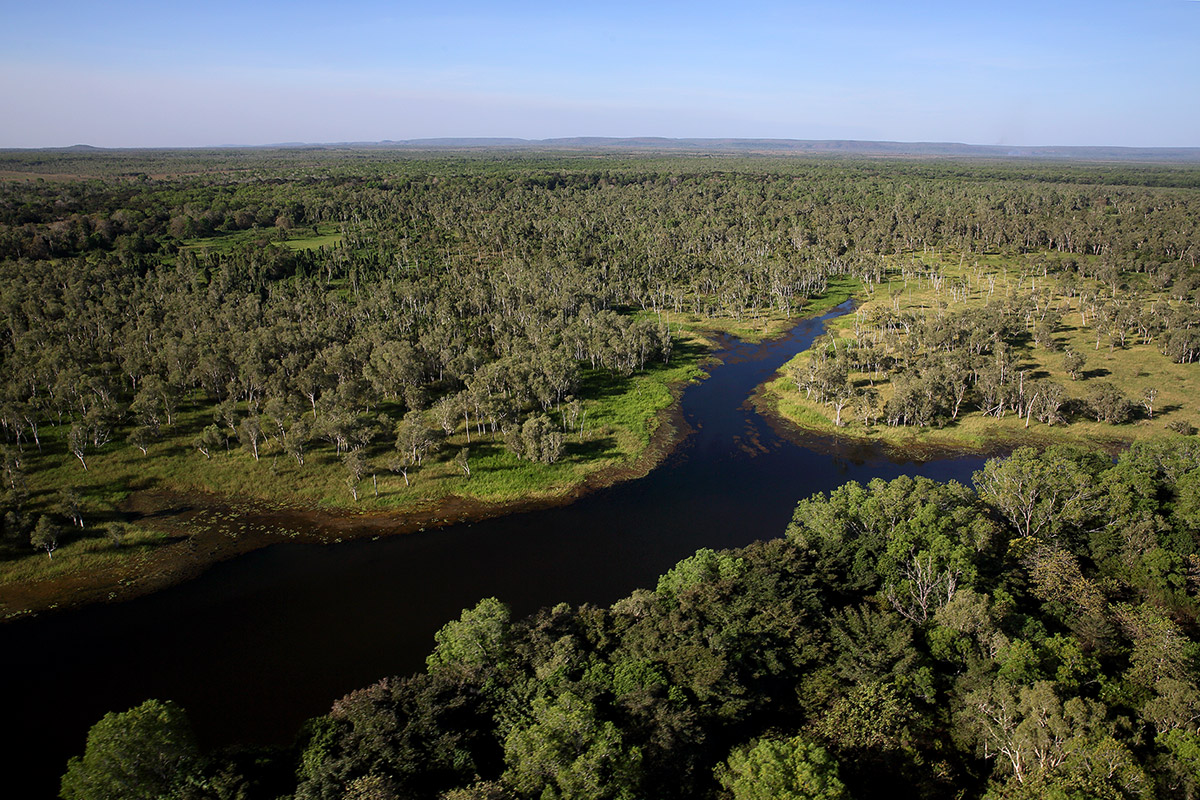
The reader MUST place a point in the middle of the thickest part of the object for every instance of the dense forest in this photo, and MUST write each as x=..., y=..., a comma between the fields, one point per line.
x=374, y=313
x=245, y=321
x=1034, y=637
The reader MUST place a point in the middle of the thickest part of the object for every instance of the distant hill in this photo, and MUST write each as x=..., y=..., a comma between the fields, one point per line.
x=805, y=146
x=658, y=144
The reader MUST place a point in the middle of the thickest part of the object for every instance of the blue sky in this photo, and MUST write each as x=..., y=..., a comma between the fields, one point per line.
x=130, y=74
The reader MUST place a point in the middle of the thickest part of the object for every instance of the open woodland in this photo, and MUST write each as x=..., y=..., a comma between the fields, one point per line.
x=1035, y=347
x=378, y=331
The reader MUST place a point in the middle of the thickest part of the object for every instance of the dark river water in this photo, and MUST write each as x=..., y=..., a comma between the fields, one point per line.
x=258, y=644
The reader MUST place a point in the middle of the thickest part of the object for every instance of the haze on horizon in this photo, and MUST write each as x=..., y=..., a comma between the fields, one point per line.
x=141, y=74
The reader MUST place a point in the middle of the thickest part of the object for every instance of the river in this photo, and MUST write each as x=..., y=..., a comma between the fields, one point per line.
x=258, y=644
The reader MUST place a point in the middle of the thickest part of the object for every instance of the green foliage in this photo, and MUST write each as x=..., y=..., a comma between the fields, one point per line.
x=45, y=535
x=1109, y=405
x=706, y=566
x=544, y=298
x=774, y=769
x=420, y=735
x=873, y=718
x=1059, y=662
x=567, y=751
x=145, y=752
x=479, y=639
x=912, y=540
x=1040, y=495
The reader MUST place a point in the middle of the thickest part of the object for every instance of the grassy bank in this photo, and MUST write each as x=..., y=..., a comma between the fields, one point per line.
x=939, y=285
x=121, y=542
x=620, y=416
x=757, y=326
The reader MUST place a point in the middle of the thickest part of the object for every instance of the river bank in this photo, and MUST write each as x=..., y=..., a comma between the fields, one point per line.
x=195, y=530
x=949, y=356
x=176, y=532
x=255, y=644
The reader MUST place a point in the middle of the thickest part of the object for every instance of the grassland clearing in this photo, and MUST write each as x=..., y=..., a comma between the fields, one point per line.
x=926, y=286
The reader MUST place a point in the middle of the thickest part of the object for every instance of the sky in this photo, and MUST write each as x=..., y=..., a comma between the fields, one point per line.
x=155, y=74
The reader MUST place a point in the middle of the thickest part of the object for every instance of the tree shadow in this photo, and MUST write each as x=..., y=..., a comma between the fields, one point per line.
x=679, y=349
x=595, y=384
x=591, y=449
x=1096, y=373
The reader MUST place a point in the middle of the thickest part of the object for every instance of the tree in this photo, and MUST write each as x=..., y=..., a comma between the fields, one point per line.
x=77, y=442
x=1027, y=728
x=70, y=505
x=142, y=437
x=478, y=639
x=566, y=751
x=208, y=440
x=1039, y=494
x=705, y=566
x=140, y=754
x=250, y=433
x=414, y=441
x=445, y=413
x=1073, y=363
x=872, y=719
x=1043, y=332
x=538, y=439
x=295, y=440
x=355, y=465
x=782, y=769
x=1109, y=405
x=45, y=535
x=1149, y=395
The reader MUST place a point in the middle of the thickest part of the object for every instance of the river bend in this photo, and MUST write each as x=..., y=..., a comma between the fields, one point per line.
x=258, y=644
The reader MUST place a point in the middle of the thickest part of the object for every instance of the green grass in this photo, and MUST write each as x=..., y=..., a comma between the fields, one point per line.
x=330, y=238
x=298, y=239
x=619, y=421
x=758, y=325
x=81, y=554
x=1132, y=368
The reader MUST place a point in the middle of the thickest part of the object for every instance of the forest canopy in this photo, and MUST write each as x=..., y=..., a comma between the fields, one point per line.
x=338, y=320
x=325, y=319
x=1033, y=638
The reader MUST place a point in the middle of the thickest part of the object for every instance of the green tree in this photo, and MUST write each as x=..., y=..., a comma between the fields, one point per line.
x=478, y=639
x=782, y=769
x=1073, y=363
x=250, y=434
x=355, y=466
x=139, y=754
x=414, y=441
x=1040, y=494
x=45, y=535
x=70, y=505
x=1109, y=405
x=566, y=751
x=209, y=439
x=78, y=442
x=706, y=566
x=142, y=437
